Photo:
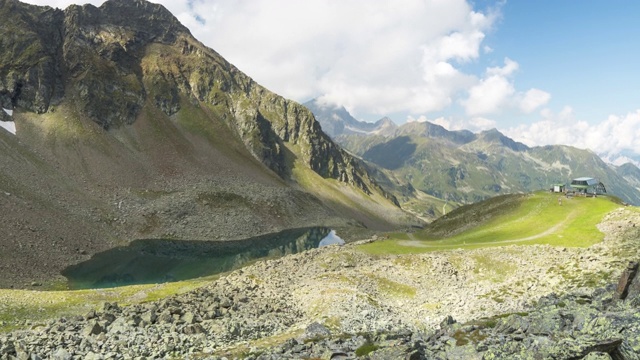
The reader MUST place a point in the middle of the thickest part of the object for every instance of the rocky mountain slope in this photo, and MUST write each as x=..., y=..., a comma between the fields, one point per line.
x=631, y=173
x=127, y=127
x=338, y=302
x=463, y=167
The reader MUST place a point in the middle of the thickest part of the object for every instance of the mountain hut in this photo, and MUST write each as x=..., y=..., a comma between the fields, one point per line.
x=588, y=185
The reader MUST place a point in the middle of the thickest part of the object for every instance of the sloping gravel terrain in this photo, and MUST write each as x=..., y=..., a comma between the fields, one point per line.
x=334, y=300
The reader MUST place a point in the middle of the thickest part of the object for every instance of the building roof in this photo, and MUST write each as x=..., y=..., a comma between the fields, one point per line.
x=583, y=182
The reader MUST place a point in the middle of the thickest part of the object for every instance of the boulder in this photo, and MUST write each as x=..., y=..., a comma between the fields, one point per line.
x=626, y=279
x=316, y=331
x=92, y=328
x=193, y=329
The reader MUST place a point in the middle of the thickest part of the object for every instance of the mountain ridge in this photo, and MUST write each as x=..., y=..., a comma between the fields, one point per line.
x=464, y=167
x=337, y=121
x=150, y=134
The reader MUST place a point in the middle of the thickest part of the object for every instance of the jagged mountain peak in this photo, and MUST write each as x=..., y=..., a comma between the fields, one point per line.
x=496, y=137
x=143, y=16
x=336, y=121
x=434, y=131
x=385, y=121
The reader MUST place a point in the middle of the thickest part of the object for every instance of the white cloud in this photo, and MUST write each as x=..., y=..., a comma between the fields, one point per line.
x=448, y=123
x=496, y=93
x=62, y=4
x=609, y=138
x=508, y=69
x=419, y=119
x=480, y=123
x=376, y=57
x=490, y=95
x=534, y=99
x=371, y=57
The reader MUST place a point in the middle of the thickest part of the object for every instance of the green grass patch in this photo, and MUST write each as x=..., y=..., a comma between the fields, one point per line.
x=366, y=349
x=463, y=338
x=518, y=219
x=19, y=308
x=392, y=288
x=488, y=268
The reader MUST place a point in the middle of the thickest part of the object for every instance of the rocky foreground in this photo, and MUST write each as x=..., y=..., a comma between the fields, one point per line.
x=340, y=303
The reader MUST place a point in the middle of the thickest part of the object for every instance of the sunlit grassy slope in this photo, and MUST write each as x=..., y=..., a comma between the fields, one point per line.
x=512, y=219
x=20, y=306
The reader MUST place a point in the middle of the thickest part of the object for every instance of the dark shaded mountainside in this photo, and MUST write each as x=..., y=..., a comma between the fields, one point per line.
x=128, y=128
x=430, y=167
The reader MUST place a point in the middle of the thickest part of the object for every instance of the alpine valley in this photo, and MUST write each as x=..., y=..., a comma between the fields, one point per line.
x=432, y=169
x=128, y=148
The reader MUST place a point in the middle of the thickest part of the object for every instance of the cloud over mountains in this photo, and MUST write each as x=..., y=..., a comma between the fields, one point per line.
x=416, y=58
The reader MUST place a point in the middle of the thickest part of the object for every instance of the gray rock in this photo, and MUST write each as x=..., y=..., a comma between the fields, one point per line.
x=626, y=280
x=61, y=354
x=194, y=329
x=119, y=326
x=165, y=317
x=447, y=321
x=21, y=351
x=93, y=356
x=393, y=353
x=92, y=328
x=149, y=317
x=316, y=331
x=189, y=318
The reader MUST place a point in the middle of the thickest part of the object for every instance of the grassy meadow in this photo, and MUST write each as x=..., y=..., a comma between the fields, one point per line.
x=19, y=308
x=536, y=218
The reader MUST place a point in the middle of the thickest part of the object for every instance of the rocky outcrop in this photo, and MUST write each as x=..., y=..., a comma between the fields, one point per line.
x=627, y=279
x=31, y=69
x=572, y=326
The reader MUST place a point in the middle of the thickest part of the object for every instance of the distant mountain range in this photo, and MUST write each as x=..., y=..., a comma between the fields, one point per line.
x=459, y=167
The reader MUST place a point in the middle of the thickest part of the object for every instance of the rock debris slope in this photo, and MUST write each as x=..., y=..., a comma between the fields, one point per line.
x=334, y=300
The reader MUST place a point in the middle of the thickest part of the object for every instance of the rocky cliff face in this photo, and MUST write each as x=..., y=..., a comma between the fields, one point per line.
x=112, y=61
x=30, y=69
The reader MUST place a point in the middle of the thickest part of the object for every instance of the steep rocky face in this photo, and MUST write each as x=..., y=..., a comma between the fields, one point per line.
x=114, y=60
x=101, y=51
x=30, y=68
x=631, y=173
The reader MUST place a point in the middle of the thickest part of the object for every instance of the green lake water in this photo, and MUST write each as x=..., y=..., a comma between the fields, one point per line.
x=156, y=261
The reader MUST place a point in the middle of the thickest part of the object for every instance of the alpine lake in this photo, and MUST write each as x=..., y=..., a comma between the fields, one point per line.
x=157, y=261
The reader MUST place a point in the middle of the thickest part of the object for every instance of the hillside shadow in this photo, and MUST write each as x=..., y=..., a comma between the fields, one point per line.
x=391, y=154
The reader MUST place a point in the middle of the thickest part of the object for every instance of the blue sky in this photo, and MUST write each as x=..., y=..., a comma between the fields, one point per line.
x=585, y=54
x=543, y=72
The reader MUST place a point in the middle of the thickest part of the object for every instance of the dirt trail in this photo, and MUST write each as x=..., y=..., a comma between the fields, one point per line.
x=438, y=244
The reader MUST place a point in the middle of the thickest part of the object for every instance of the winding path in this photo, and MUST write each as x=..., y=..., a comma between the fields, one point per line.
x=440, y=243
